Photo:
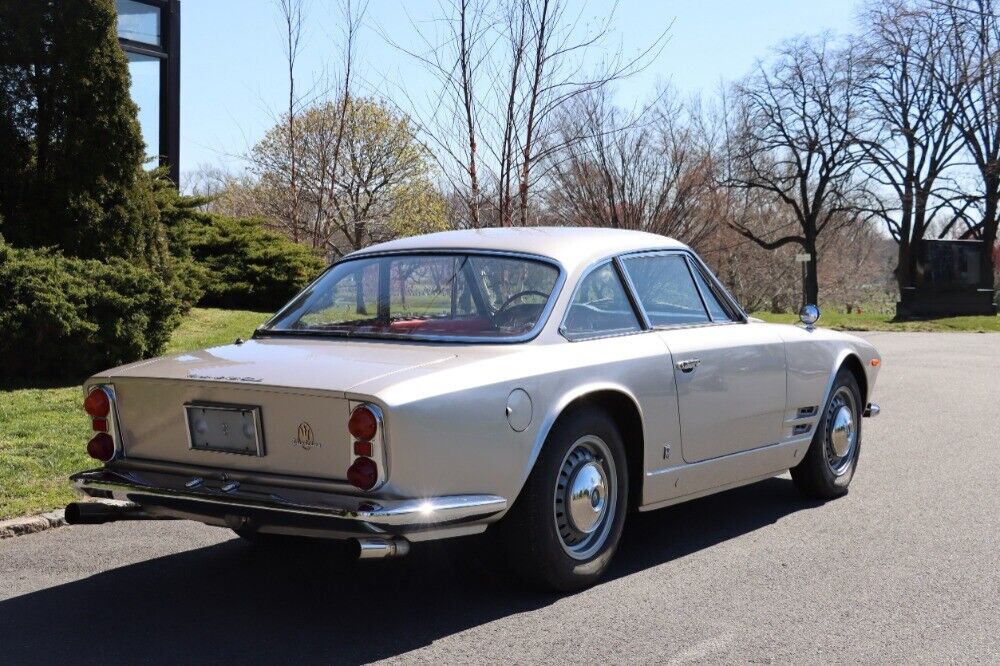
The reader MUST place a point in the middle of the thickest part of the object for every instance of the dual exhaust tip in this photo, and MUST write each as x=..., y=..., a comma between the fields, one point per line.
x=98, y=513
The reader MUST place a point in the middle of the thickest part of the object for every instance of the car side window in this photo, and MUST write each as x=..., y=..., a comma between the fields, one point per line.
x=600, y=307
x=666, y=289
x=714, y=306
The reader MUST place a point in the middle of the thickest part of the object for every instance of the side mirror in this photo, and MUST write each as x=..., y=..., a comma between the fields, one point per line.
x=809, y=314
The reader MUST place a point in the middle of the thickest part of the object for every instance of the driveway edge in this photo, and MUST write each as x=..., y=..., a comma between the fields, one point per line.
x=31, y=524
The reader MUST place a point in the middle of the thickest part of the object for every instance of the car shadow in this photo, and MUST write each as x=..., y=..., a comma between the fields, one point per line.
x=236, y=603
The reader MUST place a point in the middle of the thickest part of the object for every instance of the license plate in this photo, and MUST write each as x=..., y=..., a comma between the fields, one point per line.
x=225, y=428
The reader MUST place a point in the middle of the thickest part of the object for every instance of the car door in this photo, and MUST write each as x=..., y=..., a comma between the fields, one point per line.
x=729, y=373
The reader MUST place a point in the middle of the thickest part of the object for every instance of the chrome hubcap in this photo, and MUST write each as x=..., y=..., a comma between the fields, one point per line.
x=842, y=431
x=585, y=497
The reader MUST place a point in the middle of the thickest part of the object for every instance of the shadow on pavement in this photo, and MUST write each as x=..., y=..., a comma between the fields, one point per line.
x=235, y=603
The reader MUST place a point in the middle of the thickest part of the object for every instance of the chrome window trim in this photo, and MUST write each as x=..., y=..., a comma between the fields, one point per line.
x=707, y=274
x=721, y=293
x=543, y=317
x=640, y=317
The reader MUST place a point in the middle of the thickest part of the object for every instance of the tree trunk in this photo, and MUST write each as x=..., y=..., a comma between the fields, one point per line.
x=811, y=286
x=988, y=279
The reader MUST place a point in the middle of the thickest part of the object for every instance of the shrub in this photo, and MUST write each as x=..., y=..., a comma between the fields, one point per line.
x=67, y=317
x=246, y=265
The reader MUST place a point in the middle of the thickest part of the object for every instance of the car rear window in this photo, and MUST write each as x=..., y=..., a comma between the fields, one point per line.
x=474, y=296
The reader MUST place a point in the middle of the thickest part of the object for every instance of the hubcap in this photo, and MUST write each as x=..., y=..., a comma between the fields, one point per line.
x=842, y=431
x=585, y=497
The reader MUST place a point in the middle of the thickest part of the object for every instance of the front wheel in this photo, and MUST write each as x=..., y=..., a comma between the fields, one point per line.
x=565, y=526
x=828, y=466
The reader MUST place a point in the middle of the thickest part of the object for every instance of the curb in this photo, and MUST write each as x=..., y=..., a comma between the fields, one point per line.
x=31, y=524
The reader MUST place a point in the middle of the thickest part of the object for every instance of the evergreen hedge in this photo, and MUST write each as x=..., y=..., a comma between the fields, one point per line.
x=68, y=317
x=246, y=266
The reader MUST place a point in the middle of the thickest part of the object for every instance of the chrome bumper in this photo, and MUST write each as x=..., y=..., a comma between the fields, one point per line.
x=167, y=494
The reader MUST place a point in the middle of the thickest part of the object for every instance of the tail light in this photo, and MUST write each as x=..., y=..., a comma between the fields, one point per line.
x=98, y=405
x=367, y=468
x=363, y=423
x=101, y=447
x=363, y=473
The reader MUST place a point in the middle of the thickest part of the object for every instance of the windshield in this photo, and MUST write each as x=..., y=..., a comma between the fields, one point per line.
x=423, y=296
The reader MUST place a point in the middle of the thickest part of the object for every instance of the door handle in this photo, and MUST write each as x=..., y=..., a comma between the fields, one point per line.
x=688, y=365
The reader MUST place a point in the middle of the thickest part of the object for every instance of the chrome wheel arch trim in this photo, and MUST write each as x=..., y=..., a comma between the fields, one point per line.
x=559, y=407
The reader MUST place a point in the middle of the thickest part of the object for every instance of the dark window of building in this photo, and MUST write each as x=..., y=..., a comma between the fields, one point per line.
x=149, y=32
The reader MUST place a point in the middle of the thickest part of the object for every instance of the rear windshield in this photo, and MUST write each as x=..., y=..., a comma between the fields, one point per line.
x=423, y=296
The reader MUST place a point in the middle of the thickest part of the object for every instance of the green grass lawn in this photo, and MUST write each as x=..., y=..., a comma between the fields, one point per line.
x=874, y=321
x=44, y=431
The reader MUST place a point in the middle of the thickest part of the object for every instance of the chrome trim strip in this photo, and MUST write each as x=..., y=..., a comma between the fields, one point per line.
x=623, y=278
x=217, y=473
x=378, y=512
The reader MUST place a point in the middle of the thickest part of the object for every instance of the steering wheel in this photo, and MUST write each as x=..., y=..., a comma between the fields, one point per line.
x=506, y=304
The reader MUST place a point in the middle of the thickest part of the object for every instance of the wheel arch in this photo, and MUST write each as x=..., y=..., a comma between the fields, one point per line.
x=852, y=362
x=847, y=358
x=623, y=407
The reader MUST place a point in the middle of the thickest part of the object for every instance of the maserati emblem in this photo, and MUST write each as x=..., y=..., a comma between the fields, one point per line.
x=304, y=437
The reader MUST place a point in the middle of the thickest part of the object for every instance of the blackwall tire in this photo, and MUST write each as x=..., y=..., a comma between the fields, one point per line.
x=566, y=523
x=829, y=465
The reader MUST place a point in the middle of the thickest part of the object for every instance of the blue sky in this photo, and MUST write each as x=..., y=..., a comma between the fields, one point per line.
x=232, y=67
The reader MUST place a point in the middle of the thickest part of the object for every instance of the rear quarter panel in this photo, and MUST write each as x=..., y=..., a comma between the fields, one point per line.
x=447, y=428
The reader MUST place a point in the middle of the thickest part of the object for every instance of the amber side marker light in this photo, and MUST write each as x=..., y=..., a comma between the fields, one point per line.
x=876, y=362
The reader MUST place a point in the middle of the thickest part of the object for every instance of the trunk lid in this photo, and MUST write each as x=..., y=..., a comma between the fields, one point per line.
x=298, y=385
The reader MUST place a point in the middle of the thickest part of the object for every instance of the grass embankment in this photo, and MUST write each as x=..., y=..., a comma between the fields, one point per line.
x=43, y=430
x=873, y=321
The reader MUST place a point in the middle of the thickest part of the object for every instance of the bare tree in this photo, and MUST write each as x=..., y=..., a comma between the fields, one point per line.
x=974, y=46
x=506, y=69
x=292, y=14
x=649, y=173
x=910, y=139
x=794, y=140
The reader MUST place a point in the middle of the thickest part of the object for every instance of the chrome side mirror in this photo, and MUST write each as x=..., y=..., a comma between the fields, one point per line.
x=809, y=315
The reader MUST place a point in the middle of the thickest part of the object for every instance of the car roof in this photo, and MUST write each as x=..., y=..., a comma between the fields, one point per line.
x=573, y=247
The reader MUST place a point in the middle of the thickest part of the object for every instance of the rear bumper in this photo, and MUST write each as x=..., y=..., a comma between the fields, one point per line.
x=285, y=510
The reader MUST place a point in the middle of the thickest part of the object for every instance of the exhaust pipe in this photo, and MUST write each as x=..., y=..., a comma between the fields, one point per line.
x=97, y=513
x=372, y=549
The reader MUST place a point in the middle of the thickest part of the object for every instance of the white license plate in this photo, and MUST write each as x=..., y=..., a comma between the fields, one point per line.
x=225, y=428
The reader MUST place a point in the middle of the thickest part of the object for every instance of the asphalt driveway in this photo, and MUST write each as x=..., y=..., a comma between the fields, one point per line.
x=905, y=569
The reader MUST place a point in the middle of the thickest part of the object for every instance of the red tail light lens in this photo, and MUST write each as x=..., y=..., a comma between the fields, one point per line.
x=363, y=423
x=100, y=425
x=101, y=447
x=363, y=449
x=97, y=403
x=362, y=474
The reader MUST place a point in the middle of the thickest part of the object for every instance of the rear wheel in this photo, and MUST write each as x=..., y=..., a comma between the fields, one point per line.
x=828, y=467
x=565, y=526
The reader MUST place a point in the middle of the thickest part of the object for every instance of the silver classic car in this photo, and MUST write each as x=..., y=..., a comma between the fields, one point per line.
x=536, y=383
